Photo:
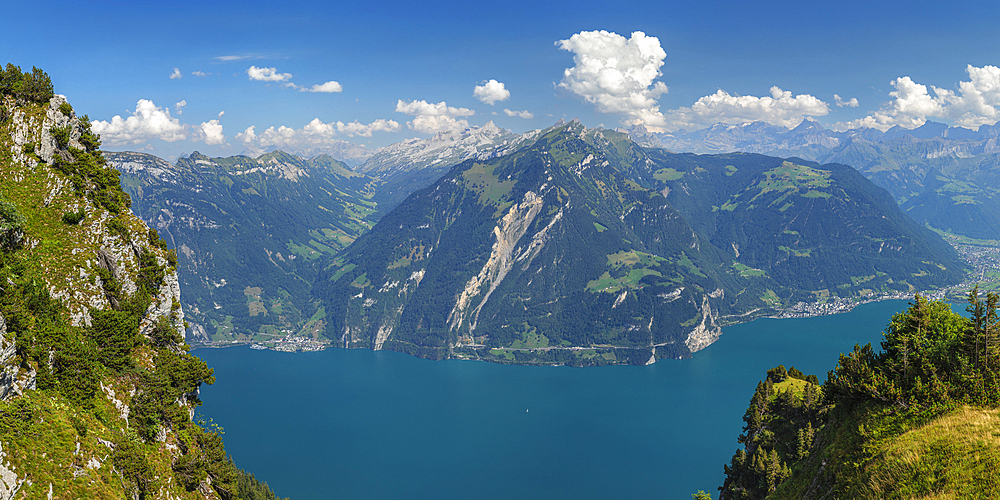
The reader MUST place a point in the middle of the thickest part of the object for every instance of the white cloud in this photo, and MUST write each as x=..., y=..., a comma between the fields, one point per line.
x=146, y=123
x=432, y=124
x=210, y=132
x=179, y=107
x=853, y=103
x=199, y=73
x=237, y=57
x=491, y=92
x=424, y=108
x=520, y=114
x=976, y=103
x=330, y=86
x=176, y=75
x=781, y=108
x=267, y=74
x=616, y=74
x=313, y=135
x=433, y=118
x=354, y=128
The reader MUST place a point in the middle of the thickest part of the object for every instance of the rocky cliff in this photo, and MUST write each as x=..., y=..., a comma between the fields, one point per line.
x=97, y=389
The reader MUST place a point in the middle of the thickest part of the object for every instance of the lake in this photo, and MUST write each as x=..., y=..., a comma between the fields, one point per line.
x=360, y=424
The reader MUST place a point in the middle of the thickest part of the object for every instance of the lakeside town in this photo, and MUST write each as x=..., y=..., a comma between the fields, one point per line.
x=983, y=258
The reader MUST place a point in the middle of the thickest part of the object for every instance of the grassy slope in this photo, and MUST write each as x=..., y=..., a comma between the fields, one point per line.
x=881, y=454
x=74, y=441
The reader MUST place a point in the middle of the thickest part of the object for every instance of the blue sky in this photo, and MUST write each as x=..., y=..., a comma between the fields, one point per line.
x=393, y=65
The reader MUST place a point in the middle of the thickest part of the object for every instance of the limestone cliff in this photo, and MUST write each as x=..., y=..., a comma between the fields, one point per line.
x=97, y=389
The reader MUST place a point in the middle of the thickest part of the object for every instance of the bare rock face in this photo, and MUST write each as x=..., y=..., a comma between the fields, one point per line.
x=55, y=118
x=9, y=482
x=97, y=246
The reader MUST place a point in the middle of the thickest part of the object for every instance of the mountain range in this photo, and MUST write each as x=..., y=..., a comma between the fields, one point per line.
x=624, y=253
x=945, y=177
x=249, y=233
x=583, y=247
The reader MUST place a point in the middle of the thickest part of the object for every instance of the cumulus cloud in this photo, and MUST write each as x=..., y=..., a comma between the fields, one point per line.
x=330, y=86
x=491, y=92
x=176, y=75
x=425, y=108
x=520, y=114
x=179, y=107
x=146, y=123
x=852, y=103
x=210, y=132
x=313, y=135
x=975, y=103
x=267, y=74
x=433, y=118
x=616, y=74
x=431, y=124
x=199, y=73
x=355, y=128
x=781, y=108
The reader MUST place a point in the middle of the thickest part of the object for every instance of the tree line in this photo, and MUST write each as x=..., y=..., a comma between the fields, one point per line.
x=29, y=86
x=932, y=360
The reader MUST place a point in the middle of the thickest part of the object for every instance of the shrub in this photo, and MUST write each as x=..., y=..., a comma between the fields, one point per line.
x=66, y=109
x=61, y=135
x=74, y=218
x=11, y=225
x=116, y=226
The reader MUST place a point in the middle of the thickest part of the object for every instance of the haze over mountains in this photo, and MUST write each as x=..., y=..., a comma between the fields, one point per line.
x=566, y=244
x=945, y=177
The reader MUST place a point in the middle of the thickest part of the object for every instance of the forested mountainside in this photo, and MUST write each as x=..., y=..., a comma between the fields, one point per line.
x=917, y=419
x=944, y=177
x=582, y=247
x=97, y=388
x=250, y=233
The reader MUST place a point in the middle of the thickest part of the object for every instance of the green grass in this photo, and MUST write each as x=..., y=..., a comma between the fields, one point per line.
x=400, y=262
x=480, y=179
x=613, y=285
x=632, y=258
x=686, y=262
x=812, y=193
x=667, y=174
x=747, y=271
x=797, y=253
x=531, y=339
x=503, y=353
x=894, y=454
x=964, y=240
x=770, y=298
x=956, y=455
x=792, y=176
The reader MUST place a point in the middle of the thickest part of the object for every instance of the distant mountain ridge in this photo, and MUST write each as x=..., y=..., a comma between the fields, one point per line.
x=945, y=177
x=249, y=233
x=763, y=234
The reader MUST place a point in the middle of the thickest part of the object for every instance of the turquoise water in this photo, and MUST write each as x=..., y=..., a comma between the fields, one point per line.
x=365, y=424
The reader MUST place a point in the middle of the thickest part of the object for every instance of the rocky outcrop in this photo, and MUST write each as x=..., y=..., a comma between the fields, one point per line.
x=9, y=482
x=14, y=380
x=707, y=331
x=97, y=246
x=508, y=232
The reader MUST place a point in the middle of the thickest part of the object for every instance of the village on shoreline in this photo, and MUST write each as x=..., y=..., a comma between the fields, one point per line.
x=984, y=259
